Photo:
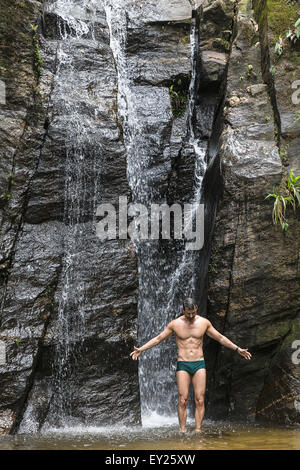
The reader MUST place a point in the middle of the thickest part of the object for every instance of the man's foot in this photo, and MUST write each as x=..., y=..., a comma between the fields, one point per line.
x=198, y=430
x=182, y=429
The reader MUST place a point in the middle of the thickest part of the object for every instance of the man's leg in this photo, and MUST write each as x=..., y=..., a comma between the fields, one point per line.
x=199, y=384
x=183, y=383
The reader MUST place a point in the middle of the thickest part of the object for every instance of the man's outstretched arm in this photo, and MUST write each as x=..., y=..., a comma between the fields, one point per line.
x=153, y=342
x=213, y=333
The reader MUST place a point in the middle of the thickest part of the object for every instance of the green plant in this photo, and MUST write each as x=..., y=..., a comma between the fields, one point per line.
x=297, y=116
x=5, y=196
x=279, y=209
x=279, y=45
x=222, y=44
x=227, y=31
x=179, y=95
x=250, y=72
x=284, y=156
x=37, y=58
x=293, y=187
x=212, y=268
x=273, y=70
x=294, y=34
x=291, y=197
x=11, y=179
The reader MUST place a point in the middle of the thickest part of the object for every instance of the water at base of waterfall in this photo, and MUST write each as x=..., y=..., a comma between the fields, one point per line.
x=214, y=436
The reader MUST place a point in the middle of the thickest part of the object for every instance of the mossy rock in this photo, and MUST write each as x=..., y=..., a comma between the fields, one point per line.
x=18, y=54
x=179, y=90
x=281, y=16
x=221, y=44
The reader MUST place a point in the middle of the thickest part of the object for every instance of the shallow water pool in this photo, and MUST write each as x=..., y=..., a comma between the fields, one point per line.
x=215, y=436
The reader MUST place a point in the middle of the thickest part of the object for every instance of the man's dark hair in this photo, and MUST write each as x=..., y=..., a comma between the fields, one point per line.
x=189, y=303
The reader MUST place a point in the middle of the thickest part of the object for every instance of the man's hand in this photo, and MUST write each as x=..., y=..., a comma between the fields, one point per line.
x=244, y=353
x=135, y=354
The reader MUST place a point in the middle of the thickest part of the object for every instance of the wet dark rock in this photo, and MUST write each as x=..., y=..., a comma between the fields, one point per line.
x=213, y=66
x=253, y=293
x=35, y=230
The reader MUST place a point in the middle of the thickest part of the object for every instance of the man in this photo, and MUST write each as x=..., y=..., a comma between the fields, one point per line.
x=189, y=330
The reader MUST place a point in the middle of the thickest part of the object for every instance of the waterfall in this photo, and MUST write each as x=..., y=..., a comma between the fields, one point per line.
x=166, y=269
x=81, y=175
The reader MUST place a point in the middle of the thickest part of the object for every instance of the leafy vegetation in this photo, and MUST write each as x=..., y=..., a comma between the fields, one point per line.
x=294, y=34
x=288, y=196
x=179, y=91
x=5, y=196
x=250, y=72
x=224, y=42
x=273, y=70
x=294, y=189
x=37, y=58
x=297, y=116
x=284, y=156
x=284, y=24
x=279, y=45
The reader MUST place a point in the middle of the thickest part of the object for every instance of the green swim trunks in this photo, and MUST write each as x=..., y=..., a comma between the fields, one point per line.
x=190, y=366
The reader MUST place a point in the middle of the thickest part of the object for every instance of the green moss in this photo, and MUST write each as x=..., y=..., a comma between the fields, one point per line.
x=245, y=6
x=179, y=90
x=284, y=155
x=272, y=332
x=221, y=44
x=213, y=266
x=294, y=333
x=17, y=47
x=37, y=58
x=297, y=116
x=15, y=17
x=5, y=196
x=294, y=57
x=281, y=16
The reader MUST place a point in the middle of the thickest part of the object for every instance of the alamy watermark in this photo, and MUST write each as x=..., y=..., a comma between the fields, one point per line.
x=296, y=94
x=2, y=92
x=296, y=354
x=163, y=221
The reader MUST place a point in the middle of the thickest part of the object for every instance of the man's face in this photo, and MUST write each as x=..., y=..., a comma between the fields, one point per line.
x=190, y=314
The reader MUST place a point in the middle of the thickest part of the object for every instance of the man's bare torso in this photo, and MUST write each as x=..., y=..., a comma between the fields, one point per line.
x=189, y=337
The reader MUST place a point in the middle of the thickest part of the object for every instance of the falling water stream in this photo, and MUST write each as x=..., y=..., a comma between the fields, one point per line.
x=82, y=148
x=166, y=272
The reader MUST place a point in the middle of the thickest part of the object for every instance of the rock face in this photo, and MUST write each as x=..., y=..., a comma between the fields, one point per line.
x=69, y=299
x=253, y=294
x=107, y=99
